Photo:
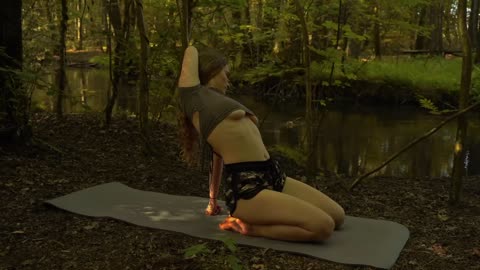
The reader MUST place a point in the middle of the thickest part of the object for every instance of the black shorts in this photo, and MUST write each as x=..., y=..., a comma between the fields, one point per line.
x=244, y=180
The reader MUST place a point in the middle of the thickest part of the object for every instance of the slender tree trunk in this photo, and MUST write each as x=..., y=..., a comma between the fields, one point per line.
x=308, y=82
x=106, y=26
x=143, y=82
x=458, y=171
x=62, y=62
x=448, y=23
x=81, y=7
x=474, y=30
x=249, y=21
x=337, y=41
x=376, y=32
x=436, y=19
x=259, y=23
x=186, y=20
x=306, y=57
x=473, y=23
x=420, y=40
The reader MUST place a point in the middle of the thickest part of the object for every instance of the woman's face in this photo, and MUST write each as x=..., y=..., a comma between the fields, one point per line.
x=221, y=81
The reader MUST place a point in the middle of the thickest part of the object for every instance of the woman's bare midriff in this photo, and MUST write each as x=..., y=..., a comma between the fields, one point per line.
x=237, y=139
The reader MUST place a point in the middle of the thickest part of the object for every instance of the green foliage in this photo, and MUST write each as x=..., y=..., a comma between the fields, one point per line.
x=263, y=40
x=234, y=262
x=229, y=257
x=428, y=104
x=103, y=60
x=196, y=250
x=230, y=244
x=476, y=82
x=422, y=74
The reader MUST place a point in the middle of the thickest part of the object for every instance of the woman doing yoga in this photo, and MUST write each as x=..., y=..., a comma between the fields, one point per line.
x=261, y=199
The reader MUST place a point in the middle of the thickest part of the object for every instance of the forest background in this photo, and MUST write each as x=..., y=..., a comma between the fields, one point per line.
x=321, y=54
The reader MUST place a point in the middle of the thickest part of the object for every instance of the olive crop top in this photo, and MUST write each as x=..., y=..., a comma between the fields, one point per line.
x=213, y=107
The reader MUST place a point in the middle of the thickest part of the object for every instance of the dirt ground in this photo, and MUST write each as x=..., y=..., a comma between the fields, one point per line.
x=77, y=153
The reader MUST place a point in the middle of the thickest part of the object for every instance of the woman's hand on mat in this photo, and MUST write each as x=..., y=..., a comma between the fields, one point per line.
x=213, y=209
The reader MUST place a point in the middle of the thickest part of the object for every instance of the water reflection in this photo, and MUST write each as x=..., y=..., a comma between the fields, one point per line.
x=349, y=141
x=88, y=90
x=354, y=141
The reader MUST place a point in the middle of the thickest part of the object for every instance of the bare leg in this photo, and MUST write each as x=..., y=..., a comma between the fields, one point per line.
x=314, y=196
x=281, y=216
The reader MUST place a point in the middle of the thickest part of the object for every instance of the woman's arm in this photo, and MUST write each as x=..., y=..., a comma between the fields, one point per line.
x=189, y=74
x=215, y=178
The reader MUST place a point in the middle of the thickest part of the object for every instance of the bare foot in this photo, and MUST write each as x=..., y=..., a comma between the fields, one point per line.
x=235, y=224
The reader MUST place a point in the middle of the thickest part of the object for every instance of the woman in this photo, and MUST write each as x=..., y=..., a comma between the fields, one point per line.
x=261, y=199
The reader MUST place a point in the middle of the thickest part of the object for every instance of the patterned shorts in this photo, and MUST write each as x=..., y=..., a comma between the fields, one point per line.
x=244, y=180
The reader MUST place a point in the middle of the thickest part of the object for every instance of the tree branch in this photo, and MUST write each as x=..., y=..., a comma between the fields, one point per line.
x=414, y=142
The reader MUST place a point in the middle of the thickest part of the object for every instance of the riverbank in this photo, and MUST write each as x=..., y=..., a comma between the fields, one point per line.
x=77, y=153
x=386, y=82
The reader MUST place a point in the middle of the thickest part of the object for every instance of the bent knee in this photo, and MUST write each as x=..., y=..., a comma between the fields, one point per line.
x=339, y=217
x=322, y=229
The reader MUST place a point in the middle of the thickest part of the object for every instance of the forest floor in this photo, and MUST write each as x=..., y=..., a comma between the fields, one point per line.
x=77, y=153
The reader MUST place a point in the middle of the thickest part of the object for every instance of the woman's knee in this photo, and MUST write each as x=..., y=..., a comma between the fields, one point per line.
x=338, y=217
x=321, y=229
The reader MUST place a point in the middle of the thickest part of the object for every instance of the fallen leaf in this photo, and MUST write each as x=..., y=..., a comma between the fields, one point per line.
x=442, y=215
x=412, y=262
x=91, y=226
x=439, y=250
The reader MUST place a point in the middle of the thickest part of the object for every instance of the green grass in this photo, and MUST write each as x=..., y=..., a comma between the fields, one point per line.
x=422, y=74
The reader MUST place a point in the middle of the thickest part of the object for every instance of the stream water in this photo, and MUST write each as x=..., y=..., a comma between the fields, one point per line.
x=351, y=140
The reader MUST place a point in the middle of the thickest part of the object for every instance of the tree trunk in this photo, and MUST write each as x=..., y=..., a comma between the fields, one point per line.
x=474, y=30
x=337, y=41
x=458, y=171
x=186, y=21
x=122, y=34
x=62, y=62
x=376, y=32
x=306, y=57
x=308, y=82
x=81, y=8
x=420, y=40
x=143, y=82
x=473, y=23
x=436, y=19
x=106, y=26
x=449, y=22
x=13, y=100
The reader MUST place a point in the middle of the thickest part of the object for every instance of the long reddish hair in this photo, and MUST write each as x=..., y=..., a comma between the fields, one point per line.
x=188, y=138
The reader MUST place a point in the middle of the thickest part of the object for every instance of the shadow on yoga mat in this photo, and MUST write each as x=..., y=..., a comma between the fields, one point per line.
x=361, y=241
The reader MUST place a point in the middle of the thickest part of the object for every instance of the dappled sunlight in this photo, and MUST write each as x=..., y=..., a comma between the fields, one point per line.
x=156, y=214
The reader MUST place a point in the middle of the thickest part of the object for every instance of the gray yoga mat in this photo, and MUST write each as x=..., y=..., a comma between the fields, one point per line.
x=361, y=241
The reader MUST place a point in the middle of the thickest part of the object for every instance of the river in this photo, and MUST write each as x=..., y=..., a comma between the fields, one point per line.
x=351, y=140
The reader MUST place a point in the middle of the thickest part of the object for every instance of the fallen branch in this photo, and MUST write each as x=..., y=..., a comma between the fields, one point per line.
x=414, y=142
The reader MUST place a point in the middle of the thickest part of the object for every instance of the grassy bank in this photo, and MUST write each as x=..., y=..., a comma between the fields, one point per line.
x=392, y=80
